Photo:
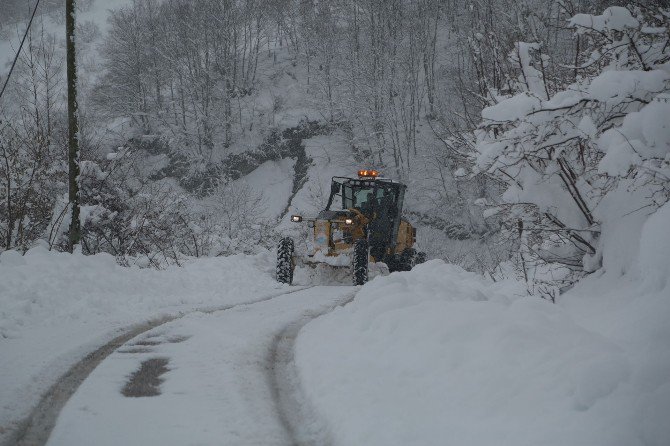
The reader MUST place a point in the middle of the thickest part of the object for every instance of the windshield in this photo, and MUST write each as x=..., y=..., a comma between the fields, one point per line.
x=366, y=197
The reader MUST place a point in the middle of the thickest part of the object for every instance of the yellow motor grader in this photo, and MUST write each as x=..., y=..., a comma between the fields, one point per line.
x=362, y=224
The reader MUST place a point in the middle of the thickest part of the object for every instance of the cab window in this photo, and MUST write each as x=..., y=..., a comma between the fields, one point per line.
x=347, y=197
x=367, y=197
x=364, y=197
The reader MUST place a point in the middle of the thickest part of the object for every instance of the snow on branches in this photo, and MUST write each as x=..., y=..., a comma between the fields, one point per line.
x=567, y=158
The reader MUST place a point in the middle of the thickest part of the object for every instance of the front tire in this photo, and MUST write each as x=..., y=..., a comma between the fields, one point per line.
x=359, y=262
x=285, y=251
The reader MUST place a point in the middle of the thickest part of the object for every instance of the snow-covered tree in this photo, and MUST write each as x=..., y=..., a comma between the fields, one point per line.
x=32, y=133
x=565, y=156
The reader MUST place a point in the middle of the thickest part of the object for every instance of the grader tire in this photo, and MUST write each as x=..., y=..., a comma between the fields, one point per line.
x=359, y=262
x=285, y=251
x=409, y=258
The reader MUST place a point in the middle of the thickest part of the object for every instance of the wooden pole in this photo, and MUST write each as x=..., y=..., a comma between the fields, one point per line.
x=73, y=126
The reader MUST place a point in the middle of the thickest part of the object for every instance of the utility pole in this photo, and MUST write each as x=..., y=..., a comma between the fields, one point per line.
x=73, y=126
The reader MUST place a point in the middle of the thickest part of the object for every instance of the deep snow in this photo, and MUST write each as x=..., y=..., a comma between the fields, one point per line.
x=439, y=355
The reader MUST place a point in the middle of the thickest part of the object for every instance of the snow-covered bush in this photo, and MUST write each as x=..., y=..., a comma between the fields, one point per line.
x=140, y=220
x=573, y=161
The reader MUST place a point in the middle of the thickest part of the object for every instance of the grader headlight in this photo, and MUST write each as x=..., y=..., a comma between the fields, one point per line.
x=348, y=221
x=296, y=218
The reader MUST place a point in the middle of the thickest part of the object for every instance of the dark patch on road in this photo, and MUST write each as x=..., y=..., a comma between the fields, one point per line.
x=35, y=429
x=135, y=350
x=147, y=342
x=177, y=339
x=147, y=380
x=152, y=340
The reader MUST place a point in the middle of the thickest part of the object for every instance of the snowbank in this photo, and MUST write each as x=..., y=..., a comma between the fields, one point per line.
x=46, y=288
x=629, y=304
x=57, y=307
x=442, y=356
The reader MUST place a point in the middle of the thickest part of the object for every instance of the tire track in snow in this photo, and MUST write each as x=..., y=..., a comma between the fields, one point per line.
x=295, y=412
x=35, y=429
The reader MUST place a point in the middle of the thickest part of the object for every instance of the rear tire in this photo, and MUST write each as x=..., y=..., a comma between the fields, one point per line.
x=393, y=263
x=409, y=258
x=285, y=251
x=359, y=262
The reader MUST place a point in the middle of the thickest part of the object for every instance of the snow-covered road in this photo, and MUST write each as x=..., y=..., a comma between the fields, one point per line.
x=221, y=377
x=424, y=357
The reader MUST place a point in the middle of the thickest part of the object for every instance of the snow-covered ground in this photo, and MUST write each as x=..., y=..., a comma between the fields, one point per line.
x=437, y=355
x=442, y=356
x=272, y=181
x=55, y=308
x=216, y=388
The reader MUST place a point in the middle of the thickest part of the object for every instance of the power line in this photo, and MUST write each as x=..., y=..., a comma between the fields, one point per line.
x=16, y=57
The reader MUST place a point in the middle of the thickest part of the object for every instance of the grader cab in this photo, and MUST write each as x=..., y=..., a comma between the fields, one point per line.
x=361, y=224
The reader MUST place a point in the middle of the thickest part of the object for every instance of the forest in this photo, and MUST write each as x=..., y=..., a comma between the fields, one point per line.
x=525, y=129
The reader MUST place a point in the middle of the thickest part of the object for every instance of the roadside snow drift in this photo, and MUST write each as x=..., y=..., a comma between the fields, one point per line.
x=46, y=288
x=442, y=356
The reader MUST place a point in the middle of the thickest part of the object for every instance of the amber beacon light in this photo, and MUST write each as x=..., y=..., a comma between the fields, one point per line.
x=368, y=174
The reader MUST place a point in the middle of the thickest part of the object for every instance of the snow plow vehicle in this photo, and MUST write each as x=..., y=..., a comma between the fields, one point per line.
x=361, y=225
